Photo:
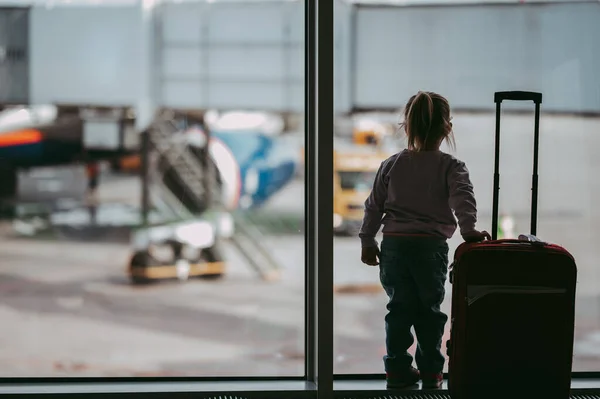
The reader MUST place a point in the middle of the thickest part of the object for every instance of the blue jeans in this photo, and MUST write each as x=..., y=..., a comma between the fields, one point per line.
x=413, y=272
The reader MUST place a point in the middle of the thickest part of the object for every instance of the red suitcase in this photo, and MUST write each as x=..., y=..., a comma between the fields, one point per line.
x=513, y=306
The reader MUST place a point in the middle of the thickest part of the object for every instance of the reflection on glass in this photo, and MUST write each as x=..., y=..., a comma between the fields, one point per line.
x=195, y=268
x=451, y=54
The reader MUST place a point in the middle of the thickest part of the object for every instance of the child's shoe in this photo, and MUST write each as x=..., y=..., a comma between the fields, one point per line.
x=402, y=380
x=432, y=381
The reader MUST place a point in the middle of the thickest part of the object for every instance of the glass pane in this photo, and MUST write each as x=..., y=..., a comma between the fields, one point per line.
x=88, y=288
x=386, y=54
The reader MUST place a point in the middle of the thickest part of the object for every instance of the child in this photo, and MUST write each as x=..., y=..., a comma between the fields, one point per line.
x=417, y=190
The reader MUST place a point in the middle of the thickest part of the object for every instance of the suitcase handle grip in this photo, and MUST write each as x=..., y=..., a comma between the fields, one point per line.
x=500, y=96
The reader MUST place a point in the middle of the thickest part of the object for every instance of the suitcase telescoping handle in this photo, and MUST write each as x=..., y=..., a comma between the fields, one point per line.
x=517, y=96
x=500, y=96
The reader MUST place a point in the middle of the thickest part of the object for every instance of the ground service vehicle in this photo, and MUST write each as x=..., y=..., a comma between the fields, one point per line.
x=355, y=168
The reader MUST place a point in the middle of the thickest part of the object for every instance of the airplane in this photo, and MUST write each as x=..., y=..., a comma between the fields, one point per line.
x=35, y=137
x=252, y=166
x=45, y=135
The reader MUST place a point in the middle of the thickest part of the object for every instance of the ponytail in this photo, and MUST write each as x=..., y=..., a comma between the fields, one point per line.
x=426, y=121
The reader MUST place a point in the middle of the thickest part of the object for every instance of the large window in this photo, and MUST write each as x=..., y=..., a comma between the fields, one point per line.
x=153, y=182
x=127, y=248
x=467, y=52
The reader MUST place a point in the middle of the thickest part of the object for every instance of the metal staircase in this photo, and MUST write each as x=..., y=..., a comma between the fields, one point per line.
x=192, y=175
x=188, y=168
x=167, y=202
x=249, y=241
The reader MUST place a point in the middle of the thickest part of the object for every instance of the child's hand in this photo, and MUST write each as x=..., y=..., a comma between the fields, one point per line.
x=476, y=236
x=370, y=256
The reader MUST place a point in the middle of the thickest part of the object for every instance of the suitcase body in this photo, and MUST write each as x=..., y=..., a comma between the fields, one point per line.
x=513, y=311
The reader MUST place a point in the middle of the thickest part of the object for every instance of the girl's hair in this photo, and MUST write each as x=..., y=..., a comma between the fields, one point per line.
x=427, y=122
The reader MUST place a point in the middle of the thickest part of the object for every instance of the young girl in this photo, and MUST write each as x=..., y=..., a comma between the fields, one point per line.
x=417, y=190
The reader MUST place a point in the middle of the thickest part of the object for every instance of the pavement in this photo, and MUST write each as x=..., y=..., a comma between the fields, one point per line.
x=67, y=308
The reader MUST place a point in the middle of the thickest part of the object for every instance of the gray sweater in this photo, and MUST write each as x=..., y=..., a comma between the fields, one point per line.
x=415, y=193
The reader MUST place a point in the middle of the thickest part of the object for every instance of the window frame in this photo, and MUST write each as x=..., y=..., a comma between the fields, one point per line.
x=318, y=118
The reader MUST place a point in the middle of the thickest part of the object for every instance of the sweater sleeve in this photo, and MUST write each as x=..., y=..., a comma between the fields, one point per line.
x=462, y=197
x=374, y=208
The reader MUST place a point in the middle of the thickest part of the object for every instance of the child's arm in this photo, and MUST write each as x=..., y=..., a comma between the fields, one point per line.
x=374, y=209
x=462, y=197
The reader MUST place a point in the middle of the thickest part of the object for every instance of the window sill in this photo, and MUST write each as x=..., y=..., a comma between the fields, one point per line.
x=379, y=385
x=220, y=389
x=158, y=389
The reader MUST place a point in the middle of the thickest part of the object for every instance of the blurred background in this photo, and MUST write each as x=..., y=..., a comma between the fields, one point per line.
x=151, y=170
